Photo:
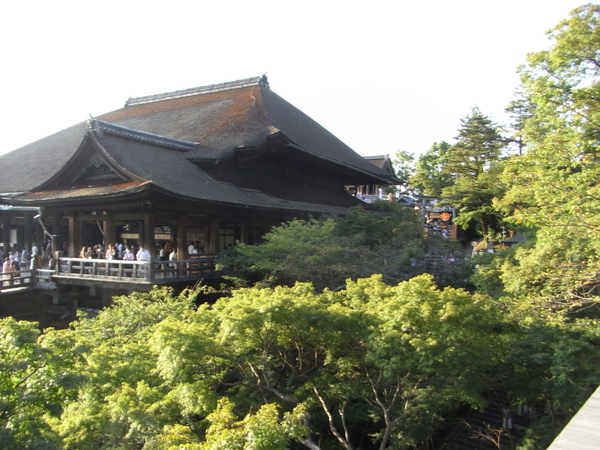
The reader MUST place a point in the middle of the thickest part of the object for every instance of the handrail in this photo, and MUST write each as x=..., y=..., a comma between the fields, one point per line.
x=198, y=267
x=136, y=271
x=17, y=279
x=103, y=268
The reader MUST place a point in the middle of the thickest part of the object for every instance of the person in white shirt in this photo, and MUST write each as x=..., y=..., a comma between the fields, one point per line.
x=142, y=254
x=172, y=259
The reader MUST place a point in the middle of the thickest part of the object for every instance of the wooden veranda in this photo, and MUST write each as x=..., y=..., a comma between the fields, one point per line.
x=133, y=275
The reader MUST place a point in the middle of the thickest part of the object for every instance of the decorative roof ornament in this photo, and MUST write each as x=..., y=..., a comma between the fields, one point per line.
x=264, y=81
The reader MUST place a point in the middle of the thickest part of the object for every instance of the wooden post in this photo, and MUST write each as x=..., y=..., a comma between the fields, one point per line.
x=28, y=232
x=56, y=233
x=181, y=243
x=149, y=242
x=6, y=219
x=214, y=236
x=244, y=233
x=109, y=230
x=73, y=235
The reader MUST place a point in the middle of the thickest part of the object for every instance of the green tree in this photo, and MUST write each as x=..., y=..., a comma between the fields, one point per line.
x=36, y=379
x=122, y=401
x=521, y=109
x=328, y=251
x=553, y=186
x=401, y=355
x=429, y=177
x=473, y=163
x=297, y=251
x=265, y=367
x=403, y=166
x=550, y=366
x=376, y=359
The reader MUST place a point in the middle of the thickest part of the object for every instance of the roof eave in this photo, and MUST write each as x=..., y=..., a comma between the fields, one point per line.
x=383, y=180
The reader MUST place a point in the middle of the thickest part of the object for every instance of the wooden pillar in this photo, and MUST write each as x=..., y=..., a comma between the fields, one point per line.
x=147, y=240
x=244, y=233
x=181, y=243
x=214, y=237
x=109, y=229
x=56, y=231
x=74, y=243
x=28, y=232
x=6, y=219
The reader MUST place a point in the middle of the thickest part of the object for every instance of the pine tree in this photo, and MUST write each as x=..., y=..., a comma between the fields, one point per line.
x=473, y=162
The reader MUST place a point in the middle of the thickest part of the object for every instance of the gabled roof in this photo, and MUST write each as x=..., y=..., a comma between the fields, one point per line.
x=113, y=161
x=217, y=119
x=382, y=161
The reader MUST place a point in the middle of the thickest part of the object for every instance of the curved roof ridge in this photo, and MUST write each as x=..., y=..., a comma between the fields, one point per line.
x=254, y=81
x=131, y=133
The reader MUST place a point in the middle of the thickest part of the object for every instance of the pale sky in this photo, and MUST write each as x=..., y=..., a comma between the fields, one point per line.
x=382, y=76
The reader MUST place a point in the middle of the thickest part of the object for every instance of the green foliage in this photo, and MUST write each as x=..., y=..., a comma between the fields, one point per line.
x=326, y=252
x=552, y=367
x=122, y=401
x=313, y=354
x=298, y=250
x=265, y=367
x=36, y=378
x=429, y=177
x=553, y=187
x=262, y=430
x=397, y=227
x=473, y=163
x=403, y=165
x=399, y=351
x=521, y=109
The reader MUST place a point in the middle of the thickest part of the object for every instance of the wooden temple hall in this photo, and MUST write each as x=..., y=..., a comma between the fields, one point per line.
x=206, y=167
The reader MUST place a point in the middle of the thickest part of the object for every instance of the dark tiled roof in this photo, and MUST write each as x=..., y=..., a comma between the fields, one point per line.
x=29, y=166
x=140, y=154
x=84, y=191
x=156, y=137
x=383, y=162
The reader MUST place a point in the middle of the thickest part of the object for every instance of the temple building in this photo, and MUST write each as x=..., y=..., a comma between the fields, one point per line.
x=207, y=166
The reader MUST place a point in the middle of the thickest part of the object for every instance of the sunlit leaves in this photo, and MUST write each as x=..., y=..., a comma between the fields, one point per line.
x=553, y=186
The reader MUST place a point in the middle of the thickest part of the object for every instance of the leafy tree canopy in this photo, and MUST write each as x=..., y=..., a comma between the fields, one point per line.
x=429, y=178
x=553, y=187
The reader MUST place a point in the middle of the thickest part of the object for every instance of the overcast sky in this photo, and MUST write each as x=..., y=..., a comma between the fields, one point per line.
x=382, y=76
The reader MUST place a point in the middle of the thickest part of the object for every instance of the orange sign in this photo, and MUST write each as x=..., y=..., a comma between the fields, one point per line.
x=445, y=216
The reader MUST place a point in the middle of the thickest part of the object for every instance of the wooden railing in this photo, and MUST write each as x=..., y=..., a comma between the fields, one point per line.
x=17, y=279
x=137, y=271
x=156, y=272
x=102, y=268
x=26, y=278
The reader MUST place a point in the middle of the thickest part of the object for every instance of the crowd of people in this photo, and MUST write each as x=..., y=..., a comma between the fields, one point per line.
x=21, y=260
x=128, y=252
x=35, y=258
x=15, y=261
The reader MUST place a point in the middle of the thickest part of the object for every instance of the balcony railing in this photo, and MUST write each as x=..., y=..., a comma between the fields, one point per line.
x=137, y=271
x=155, y=272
